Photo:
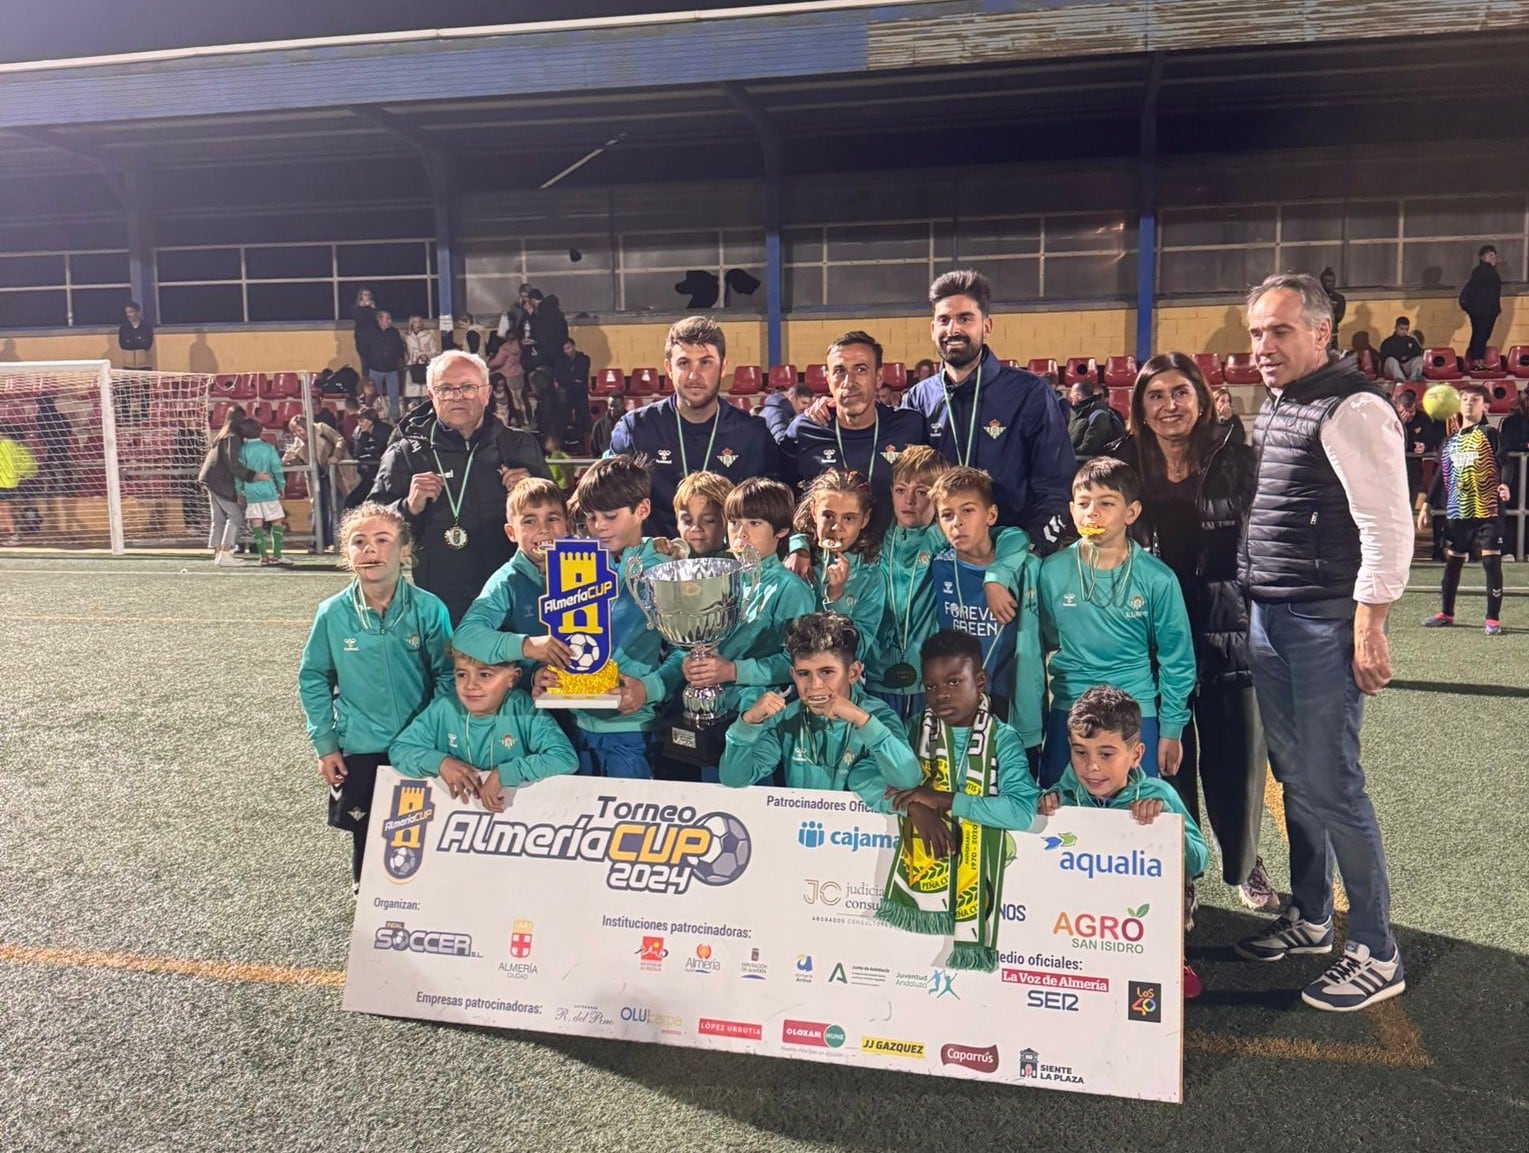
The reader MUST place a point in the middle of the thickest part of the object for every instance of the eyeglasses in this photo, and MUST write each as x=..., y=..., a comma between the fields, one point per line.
x=452, y=391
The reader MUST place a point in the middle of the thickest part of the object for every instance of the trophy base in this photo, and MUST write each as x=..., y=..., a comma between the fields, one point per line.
x=692, y=743
x=552, y=700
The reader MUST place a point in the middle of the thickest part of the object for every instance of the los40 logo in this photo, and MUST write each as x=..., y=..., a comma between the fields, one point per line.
x=645, y=846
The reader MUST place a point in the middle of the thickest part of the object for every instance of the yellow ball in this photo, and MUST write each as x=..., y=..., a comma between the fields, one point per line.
x=1441, y=402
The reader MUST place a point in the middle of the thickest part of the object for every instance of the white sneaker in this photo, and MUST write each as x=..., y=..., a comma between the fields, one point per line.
x=1356, y=981
x=1287, y=934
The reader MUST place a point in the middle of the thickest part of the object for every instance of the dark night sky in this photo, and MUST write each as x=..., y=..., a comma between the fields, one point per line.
x=54, y=29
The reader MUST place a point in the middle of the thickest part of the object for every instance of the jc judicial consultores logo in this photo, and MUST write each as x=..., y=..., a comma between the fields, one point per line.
x=644, y=846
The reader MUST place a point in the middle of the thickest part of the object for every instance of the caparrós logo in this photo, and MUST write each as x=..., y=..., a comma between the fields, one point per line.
x=983, y=1058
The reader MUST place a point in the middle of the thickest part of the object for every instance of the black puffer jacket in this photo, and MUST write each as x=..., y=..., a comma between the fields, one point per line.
x=1217, y=604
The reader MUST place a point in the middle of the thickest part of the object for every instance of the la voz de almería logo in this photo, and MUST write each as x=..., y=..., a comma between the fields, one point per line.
x=1073, y=860
x=644, y=846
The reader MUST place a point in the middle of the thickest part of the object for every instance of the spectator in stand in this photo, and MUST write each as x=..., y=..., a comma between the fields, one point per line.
x=447, y=472
x=371, y=402
x=421, y=346
x=384, y=356
x=1401, y=356
x=1197, y=488
x=1337, y=300
x=600, y=434
x=499, y=401
x=549, y=327
x=505, y=366
x=367, y=445
x=465, y=335
x=1514, y=434
x=135, y=337
x=1226, y=416
x=1093, y=424
x=329, y=451
x=923, y=370
x=562, y=472
x=551, y=405
x=779, y=409
x=364, y=316
x=56, y=435
x=513, y=319
x=529, y=357
x=1481, y=298
x=886, y=394
x=572, y=375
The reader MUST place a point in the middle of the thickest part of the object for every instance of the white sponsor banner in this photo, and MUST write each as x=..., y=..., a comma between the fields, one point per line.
x=742, y=920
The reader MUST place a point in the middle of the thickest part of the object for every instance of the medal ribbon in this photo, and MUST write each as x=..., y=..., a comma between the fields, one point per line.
x=455, y=501
x=971, y=425
x=875, y=436
x=679, y=428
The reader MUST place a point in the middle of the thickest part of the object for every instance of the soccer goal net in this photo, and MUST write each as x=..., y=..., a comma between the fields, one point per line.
x=93, y=457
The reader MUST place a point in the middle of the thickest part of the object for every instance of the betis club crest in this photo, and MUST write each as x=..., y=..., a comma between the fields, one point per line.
x=520, y=939
x=577, y=610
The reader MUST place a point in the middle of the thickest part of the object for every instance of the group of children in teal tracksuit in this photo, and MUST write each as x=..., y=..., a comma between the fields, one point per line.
x=928, y=638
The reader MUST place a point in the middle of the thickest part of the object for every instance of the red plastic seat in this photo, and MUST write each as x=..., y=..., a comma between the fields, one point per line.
x=1209, y=365
x=1120, y=401
x=644, y=382
x=1043, y=366
x=1079, y=368
x=1011, y=364
x=1517, y=363
x=782, y=377
x=234, y=386
x=816, y=377
x=1491, y=364
x=1120, y=371
x=217, y=412
x=1240, y=369
x=1441, y=364
x=286, y=385
x=1415, y=389
x=1504, y=396
x=297, y=485
x=609, y=382
x=287, y=409
x=747, y=380
x=265, y=412
x=665, y=385
x=894, y=375
x=741, y=402
x=1365, y=359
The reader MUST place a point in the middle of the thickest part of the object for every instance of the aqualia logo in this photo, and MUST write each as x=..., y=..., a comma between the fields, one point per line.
x=1133, y=864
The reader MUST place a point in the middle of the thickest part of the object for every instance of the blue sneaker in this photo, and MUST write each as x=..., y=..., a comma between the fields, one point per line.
x=1287, y=934
x=1357, y=981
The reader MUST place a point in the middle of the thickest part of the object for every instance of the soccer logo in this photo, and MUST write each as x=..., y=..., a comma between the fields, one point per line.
x=728, y=855
x=586, y=652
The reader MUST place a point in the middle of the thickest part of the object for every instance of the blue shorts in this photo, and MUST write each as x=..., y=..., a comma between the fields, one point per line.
x=1056, y=754
x=623, y=755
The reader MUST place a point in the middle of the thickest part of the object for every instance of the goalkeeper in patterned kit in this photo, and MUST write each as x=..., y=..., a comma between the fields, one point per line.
x=1470, y=488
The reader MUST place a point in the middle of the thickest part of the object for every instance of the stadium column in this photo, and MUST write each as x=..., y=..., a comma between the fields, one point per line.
x=769, y=146
x=448, y=257
x=138, y=203
x=1146, y=224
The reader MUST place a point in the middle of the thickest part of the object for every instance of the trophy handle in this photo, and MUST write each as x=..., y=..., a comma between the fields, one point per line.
x=749, y=575
x=637, y=586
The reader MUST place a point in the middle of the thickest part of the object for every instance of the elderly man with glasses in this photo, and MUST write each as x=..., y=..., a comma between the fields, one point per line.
x=447, y=471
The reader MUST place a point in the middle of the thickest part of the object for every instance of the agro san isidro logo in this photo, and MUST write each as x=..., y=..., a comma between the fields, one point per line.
x=403, y=831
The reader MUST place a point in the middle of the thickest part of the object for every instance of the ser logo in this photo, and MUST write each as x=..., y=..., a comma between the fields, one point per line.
x=403, y=831
x=645, y=847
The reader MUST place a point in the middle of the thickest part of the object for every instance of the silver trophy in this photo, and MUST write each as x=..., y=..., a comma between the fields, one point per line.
x=694, y=604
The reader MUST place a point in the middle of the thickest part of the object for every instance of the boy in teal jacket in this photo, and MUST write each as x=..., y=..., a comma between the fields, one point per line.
x=752, y=657
x=1113, y=614
x=613, y=498
x=1105, y=753
x=834, y=736
x=483, y=738
x=376, y=655
x=262, y=497
x=502, y=624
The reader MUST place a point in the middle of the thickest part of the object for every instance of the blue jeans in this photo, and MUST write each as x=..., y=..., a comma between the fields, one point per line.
x=1056, y=753
x=623, y=755
x=391, y=386
x=1301, y=656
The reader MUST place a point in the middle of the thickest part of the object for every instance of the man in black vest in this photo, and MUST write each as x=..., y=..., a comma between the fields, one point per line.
x=1329, y=541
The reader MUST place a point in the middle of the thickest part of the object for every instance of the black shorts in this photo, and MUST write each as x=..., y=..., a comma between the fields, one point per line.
x=1476, y=535
x=350, y=805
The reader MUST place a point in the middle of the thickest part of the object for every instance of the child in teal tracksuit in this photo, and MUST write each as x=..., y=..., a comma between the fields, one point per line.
x=911, y=544
x=375, y=658
x=837, y=520
x=1004, y=618
x=484, y=737
x=834, y=736
x=1113, y=614
x=752, y=657
x=1104, y=772
x=613, y=497
x=262, y=498
x=503, y=624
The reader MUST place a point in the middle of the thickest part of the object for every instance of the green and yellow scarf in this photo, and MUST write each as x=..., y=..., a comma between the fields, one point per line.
x=925, y=894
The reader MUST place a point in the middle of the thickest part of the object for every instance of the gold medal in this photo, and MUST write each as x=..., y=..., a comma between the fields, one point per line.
x=455, y=537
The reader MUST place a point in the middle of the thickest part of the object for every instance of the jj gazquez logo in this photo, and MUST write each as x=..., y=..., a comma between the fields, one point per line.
x=645, y=847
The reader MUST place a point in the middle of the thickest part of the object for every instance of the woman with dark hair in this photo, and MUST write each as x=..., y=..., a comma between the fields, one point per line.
x=1197, y=487
x=220, y=468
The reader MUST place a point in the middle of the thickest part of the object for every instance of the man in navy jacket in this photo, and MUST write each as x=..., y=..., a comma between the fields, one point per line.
x=986, y=415
x=693, y=431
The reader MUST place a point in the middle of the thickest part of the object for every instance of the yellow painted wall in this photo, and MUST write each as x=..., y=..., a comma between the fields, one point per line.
x=1016, y=335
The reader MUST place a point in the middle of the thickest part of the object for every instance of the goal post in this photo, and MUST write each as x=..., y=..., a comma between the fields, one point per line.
x=107, y=456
